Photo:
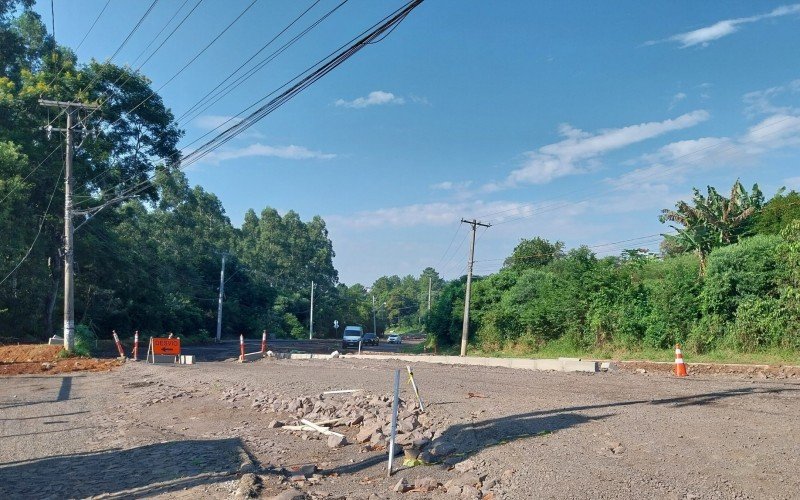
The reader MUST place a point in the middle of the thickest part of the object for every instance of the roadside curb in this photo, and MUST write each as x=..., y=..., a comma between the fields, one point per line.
x=559, y=365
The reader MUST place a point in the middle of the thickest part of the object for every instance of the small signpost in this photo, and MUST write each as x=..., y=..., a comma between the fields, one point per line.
x=160, y=348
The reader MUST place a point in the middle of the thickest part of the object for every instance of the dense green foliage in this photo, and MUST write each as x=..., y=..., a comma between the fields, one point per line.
x=746, y=300
x=150, y=262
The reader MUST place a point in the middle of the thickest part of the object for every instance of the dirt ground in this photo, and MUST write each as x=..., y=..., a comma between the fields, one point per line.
x=193, y=432
x=41, y=358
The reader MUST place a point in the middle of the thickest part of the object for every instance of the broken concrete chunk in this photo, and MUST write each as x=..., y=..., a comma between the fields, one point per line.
x=275, y=424
x=249, y=486
x=401, y=486
x=335, y=441
x=465, y=466
x=425, y=484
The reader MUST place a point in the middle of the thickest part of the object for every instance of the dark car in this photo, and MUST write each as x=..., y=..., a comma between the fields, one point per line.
x=370, y=339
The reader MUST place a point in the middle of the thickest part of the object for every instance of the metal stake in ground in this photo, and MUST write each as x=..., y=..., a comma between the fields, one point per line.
x=393, y=434
x=414, y=386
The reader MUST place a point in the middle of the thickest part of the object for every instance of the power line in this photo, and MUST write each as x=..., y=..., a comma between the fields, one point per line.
x=34, y=169
x=229, y=88
x=121, y=46
x=561, y=203
x=191, y=61
x=258, y=65
x=86, y=35
x=323, y=67
x=41, y=225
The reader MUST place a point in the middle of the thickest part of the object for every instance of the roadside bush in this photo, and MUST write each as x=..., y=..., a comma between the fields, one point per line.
x=673, y=290
x=759, y=323
x=85, y=341
x=744, y=271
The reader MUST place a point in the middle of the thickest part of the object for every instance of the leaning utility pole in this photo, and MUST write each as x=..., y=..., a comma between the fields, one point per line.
x=311, y=320
x=430, y=282
x=470, y=262
x=219, y=302
x=71, y=110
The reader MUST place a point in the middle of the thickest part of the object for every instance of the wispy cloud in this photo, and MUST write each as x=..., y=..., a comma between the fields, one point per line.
x=680, y=96
x=210, y=122
x=763, y=101
x=674, y=162
x=374, y=98
x=440, y=214
x=703, y=36
x=450, y=185
x=290, y=152
x=579, y=152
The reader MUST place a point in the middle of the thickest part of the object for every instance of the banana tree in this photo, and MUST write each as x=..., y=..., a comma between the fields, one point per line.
x=712, y=221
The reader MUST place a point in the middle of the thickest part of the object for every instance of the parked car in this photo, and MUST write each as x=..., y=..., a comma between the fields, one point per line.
x=352, y=336
x=394, y=339
x=370, y=339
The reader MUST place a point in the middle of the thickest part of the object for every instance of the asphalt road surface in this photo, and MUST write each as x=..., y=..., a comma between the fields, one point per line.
x=229, y=349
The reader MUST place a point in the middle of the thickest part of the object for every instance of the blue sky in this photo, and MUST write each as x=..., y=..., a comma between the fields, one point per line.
x=574, y=121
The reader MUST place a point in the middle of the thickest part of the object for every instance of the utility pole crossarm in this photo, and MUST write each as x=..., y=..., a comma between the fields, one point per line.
x=67, y=104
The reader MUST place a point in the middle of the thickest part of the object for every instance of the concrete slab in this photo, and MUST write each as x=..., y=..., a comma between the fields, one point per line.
x=253, y=356
x=560, y=365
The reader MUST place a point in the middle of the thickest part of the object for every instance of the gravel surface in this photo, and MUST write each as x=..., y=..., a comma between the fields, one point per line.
x=200, y=432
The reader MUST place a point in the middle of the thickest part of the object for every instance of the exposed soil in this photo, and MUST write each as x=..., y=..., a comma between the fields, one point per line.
x=31, y=359
x=715, y=369
x=204, y=431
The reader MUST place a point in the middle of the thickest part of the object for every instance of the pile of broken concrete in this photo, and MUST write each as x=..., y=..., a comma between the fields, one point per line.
x=369, y=414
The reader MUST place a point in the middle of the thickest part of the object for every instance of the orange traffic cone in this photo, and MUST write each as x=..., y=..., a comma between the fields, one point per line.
x=680, y=366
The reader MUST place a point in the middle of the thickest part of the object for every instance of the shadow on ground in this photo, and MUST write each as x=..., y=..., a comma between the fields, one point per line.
x=469, y=438
x=132, y=473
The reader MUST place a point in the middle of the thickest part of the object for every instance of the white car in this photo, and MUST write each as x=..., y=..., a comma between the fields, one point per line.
x=394, y=339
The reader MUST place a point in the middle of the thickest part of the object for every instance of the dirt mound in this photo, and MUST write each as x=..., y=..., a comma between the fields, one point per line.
x=28, y=353
x=39, y=358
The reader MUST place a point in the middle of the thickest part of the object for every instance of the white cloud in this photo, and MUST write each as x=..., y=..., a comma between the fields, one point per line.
x=774, y=132
x=451, y=186
x=703, y=36
x=210, y=122
x=762, y=101
x=672, y=163
x=290, y=152
x=374, y=98
x=580, y=150
x=680, y=96
x=441, y=214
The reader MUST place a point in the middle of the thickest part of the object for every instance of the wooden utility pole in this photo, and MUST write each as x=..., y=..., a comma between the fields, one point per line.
x=221, y=294
x=470, y=262
x=311, y=320
x=430, y=282
x=71, y=109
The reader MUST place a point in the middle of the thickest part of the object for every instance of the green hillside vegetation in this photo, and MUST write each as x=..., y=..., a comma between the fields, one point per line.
x=728, y=283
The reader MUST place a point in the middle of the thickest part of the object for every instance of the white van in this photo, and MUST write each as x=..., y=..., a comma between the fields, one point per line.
x=352, y=336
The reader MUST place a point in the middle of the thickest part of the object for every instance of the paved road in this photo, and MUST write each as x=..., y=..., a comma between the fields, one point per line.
x=228, y=349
